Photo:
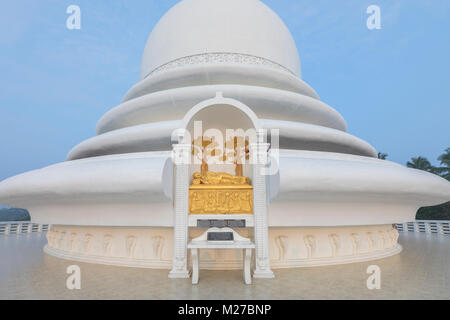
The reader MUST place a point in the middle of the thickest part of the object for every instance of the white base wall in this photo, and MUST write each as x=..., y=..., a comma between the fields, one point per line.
x=152, y=247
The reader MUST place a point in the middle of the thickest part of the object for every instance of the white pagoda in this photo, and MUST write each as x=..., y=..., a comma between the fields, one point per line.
x=133, y=196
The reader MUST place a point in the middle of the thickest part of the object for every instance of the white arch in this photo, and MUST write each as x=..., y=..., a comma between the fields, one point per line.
x=220, y=100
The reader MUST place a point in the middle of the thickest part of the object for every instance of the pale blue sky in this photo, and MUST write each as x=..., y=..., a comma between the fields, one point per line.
x=391, y=85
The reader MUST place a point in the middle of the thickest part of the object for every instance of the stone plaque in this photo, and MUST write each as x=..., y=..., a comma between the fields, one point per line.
x=220, y=236
x=236, y=223
x=205, y=223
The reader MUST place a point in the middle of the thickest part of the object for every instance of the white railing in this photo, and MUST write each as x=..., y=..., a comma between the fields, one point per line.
x=425, y=226
x=18, y=227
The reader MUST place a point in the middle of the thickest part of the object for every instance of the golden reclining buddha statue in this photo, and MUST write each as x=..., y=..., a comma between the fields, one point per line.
x=218, y=178
x=220, y=193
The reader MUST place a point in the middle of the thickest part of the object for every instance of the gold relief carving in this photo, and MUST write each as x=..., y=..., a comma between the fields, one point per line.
x=220, y=199
x=220, y=193
x=218, y=178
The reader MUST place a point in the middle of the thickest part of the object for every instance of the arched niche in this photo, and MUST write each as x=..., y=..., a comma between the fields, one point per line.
x=221, y=118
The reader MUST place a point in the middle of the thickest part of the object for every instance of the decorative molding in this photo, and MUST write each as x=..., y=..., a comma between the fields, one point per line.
x=335, y=244
x=310, y=243
x=152, y=247
x=372, y=242
x=131, y=246
x=395, y=235
x=356, y=240
x=87, y=243
x=107, y=244
x=382, y=239
x=157, y=246
x=281, y=242
x=218, y=58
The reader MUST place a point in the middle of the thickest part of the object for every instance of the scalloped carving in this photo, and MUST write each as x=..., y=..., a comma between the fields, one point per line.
x=107, y=244
x=87, y=242
x=335, y=243
x=356, y=242
x=310, y=243
x=157, y=246
x=131, y=246
x=371, y=240
x=218, y=58
x=72, y=242
x=281, y=242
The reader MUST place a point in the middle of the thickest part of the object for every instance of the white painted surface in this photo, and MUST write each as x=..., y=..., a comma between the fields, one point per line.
x=267, y=103
x=247, y=254
x=229, y=26
x=203, y=74
x=316, y=189
x=155, y=136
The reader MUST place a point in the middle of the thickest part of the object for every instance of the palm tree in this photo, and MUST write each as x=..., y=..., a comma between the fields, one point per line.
x=420, y=163
x=444, y=170
x=445, y=157
x=382, y=155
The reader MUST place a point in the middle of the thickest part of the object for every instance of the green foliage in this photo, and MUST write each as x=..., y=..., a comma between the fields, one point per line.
x=382, y=155
x=422, y=163
x=440, y=212
x=444, y=170
x=14, y=214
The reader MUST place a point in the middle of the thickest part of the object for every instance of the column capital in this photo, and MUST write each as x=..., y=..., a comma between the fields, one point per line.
x=181, y=153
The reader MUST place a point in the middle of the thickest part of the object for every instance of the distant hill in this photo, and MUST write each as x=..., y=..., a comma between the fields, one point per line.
x=14, y=214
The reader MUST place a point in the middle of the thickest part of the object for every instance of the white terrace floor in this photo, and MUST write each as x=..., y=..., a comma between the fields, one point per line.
x=421, y=271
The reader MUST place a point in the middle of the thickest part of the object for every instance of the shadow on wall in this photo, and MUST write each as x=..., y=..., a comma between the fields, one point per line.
x=14, y=214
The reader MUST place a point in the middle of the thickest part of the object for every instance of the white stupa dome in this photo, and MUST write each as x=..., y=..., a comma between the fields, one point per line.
x=195, y=27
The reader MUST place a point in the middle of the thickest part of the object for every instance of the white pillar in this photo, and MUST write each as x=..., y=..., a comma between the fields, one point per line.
x=260, y=156
x=181, y=158
x=440, y=228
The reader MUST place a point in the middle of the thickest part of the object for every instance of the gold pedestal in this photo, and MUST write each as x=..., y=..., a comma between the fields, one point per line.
x=220, y=199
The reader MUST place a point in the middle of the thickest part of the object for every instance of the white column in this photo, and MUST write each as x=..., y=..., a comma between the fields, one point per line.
x=262, y=261
x=181, y=157
x=247, y=261
x=195, y=266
